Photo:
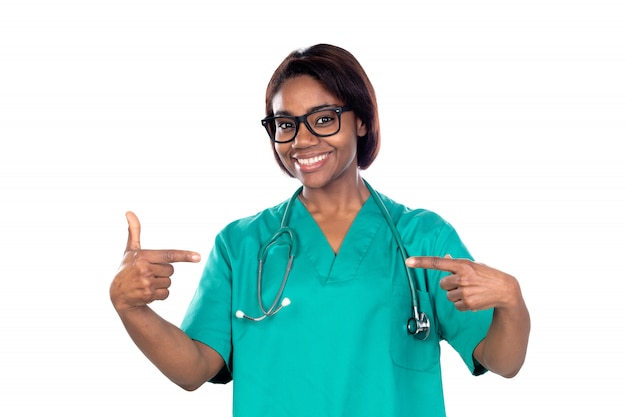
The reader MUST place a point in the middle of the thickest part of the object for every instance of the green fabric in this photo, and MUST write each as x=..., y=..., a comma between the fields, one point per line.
x=341, y=348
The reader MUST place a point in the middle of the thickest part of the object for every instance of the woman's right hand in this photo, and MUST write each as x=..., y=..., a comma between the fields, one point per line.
x=144, y=275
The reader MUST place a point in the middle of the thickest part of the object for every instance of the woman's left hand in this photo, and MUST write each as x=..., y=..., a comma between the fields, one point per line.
x=471, y=285
x=474, y=286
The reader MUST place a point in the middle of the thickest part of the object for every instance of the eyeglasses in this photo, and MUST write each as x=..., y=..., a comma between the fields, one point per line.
x=321, y=123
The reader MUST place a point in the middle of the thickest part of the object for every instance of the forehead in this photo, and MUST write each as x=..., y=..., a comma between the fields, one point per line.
x=300, y=94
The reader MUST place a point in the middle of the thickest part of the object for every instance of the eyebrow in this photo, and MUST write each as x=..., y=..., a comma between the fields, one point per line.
x=312, y=109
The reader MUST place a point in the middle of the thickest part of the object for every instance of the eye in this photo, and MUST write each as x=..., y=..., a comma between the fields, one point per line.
x=284, y=124
x=324, y=120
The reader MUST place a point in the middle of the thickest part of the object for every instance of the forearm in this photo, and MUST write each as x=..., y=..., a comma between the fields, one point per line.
x=187, y=363
x=503, y=350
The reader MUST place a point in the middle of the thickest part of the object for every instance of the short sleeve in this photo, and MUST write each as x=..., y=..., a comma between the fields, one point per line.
x=463, y=330
x=208, y=317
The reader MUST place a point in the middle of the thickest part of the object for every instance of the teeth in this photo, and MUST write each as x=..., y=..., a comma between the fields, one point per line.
x=310, y=161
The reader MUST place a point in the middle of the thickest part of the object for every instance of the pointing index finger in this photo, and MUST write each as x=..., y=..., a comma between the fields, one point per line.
x=154, y=256
x=162, y=256
x=434, y=262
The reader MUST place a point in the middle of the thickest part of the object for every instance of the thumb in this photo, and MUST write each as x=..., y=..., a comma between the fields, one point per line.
x=134, y=230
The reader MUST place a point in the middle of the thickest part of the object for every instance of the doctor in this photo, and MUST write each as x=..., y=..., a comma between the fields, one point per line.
x=319, y=327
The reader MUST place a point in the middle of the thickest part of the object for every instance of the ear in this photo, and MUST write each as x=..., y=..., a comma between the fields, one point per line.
x=361, y=129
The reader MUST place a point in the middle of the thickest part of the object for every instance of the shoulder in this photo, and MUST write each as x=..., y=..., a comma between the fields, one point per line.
x=267, y=219
x=424, y=231
x=422, y=218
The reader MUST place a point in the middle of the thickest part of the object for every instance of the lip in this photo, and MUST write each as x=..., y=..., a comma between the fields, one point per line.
x=310, y=162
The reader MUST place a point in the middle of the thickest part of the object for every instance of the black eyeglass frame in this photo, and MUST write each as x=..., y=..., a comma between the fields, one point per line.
x=303, y=119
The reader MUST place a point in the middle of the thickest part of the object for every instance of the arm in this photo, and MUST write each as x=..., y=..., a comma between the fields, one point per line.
x=474, y=286
x=504, y=348
x=144, y=276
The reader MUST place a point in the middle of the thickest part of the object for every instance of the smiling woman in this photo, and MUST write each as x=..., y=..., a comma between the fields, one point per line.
x=316, y=160
x=337, y=255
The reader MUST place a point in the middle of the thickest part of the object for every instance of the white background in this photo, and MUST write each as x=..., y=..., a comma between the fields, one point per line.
x=507, y=117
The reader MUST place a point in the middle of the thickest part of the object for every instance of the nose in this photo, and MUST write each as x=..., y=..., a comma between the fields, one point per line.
x=304, y=137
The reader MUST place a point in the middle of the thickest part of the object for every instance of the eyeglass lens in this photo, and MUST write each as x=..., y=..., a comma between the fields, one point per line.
x=325, y=122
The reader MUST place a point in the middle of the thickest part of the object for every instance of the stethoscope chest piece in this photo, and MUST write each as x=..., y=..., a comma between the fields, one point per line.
x=419, y=325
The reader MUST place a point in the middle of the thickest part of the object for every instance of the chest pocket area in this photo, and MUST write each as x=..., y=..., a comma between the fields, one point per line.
x=408, y=351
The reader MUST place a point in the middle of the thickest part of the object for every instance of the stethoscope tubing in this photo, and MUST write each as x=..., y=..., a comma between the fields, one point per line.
x=417, y=325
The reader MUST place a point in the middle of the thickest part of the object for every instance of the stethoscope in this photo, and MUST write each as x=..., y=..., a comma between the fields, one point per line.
x=418, y=324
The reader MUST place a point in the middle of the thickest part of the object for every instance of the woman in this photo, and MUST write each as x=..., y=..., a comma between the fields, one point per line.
x=319, y=327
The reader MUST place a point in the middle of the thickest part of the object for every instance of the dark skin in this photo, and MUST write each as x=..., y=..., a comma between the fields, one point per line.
x=143, y=277
x=474, y=286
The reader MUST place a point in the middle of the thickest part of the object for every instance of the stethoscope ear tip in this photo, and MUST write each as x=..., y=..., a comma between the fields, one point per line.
x=286, y=301
x=239, y=314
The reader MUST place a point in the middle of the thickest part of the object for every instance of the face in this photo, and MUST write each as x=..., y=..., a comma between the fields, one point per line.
x=317, y=161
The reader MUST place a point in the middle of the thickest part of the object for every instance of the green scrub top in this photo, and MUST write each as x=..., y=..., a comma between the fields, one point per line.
x=341, y=347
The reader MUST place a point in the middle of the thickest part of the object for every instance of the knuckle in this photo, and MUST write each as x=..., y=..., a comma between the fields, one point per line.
x=144, y=270
x=465, y=293
x=466, y=265
x=469, y=305
x=466, y=271
x=146, y=295
x=145, y=285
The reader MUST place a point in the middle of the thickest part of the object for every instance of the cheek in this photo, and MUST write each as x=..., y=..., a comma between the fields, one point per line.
x=281, y=155
x=280, y=151
x=354, y=146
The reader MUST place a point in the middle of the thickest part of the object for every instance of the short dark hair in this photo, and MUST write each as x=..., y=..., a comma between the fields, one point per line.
x=344, y=77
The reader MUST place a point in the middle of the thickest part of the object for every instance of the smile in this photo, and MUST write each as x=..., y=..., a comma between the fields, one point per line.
x=312, y=160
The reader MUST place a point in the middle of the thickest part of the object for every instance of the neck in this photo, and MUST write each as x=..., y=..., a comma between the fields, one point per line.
x=336, y=198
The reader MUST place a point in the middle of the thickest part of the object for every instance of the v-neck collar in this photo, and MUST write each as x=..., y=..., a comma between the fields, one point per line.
x=313, y=244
